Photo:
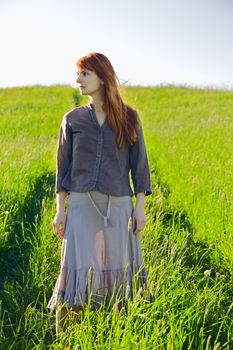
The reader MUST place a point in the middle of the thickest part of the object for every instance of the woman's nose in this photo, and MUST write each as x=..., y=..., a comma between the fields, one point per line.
x=78, y=80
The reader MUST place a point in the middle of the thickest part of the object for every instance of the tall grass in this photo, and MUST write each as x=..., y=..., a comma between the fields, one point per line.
x=188, y=303
x=189, y=136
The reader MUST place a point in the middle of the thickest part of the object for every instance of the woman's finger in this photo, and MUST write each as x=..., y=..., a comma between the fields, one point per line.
x=134, y=223
x=58, y=228
x=139, y=226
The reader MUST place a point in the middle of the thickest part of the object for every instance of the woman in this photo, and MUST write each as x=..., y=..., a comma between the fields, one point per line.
x=99, y=143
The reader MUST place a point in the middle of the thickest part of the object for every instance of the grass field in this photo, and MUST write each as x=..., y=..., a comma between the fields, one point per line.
x=187, y=244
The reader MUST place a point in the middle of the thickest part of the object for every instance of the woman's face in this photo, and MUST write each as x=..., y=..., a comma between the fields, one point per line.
x=89, y=82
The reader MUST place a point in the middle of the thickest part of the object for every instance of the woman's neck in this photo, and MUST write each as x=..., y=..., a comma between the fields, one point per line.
x=98, y=104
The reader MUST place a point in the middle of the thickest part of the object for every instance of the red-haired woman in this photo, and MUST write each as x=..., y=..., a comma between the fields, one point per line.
x=99, y=144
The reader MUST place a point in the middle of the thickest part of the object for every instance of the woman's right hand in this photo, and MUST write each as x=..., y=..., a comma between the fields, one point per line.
x=59, y=224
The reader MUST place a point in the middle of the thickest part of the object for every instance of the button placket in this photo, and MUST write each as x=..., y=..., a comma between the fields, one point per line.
x=99, y=146
x=98, y=156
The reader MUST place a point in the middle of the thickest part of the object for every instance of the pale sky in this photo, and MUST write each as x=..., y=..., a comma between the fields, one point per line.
x=149, y=42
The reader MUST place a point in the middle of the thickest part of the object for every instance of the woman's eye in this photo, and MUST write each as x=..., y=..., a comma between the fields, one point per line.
x=84, y=73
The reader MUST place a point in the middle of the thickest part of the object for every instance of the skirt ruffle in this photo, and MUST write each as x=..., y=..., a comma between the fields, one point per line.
x=91, y=287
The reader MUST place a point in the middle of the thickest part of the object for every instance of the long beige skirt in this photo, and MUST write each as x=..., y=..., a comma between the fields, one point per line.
x=101, y=257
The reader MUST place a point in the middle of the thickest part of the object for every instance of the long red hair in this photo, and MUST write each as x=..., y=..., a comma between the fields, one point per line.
x=122, y=118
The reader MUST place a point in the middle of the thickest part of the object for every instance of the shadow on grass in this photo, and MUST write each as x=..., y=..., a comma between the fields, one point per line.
x=176, y=243
x=15, y=253
x=21, y=224
x=177, y=219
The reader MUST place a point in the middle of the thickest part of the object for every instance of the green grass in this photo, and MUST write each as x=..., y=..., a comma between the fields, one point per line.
x=189, y=136
x=188, y=239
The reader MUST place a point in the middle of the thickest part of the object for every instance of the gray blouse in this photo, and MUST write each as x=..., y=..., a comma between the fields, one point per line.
x=88, y=157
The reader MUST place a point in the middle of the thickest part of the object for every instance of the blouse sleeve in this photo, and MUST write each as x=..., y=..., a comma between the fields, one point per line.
x=64, y=153
x=139, y=166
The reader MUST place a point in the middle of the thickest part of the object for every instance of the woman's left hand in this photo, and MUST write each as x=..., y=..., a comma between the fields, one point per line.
x=139, y=219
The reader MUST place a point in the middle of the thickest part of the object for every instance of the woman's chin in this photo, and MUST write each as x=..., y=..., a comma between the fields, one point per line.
x=83, y=92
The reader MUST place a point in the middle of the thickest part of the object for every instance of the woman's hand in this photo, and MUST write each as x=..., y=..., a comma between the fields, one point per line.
x=139, y=219
x=59, y=223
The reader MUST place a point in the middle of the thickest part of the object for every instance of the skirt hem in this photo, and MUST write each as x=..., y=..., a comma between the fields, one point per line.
x=92, y=287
